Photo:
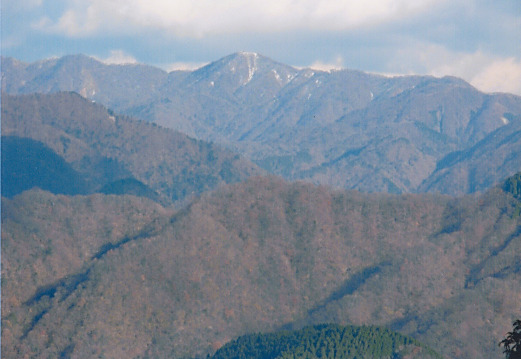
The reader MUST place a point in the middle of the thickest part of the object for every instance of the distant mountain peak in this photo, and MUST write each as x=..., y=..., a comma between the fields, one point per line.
x=243, y=67
x=251, y=64
x=248, y=54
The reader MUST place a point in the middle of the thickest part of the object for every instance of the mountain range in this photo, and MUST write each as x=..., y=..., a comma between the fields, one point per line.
x=347, y=129
x=142, y=216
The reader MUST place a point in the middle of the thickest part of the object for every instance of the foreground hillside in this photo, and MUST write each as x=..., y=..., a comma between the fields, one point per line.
x=347, y=129
x=121, y=276
x=66, y=144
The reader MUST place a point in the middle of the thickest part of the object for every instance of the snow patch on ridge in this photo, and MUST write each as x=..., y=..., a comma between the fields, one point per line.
x=277, y=76
x=251, y=58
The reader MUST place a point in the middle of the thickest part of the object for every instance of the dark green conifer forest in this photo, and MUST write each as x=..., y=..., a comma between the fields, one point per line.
x=325, y=341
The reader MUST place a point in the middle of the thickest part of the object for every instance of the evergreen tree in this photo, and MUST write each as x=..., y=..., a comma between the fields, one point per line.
x=512, y=343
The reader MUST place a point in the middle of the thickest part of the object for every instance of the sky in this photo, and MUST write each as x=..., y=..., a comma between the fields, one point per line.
x=477, y=40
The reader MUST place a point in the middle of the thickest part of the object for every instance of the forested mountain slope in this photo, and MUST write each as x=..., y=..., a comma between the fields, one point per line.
x=104, y=148
x=125, y=277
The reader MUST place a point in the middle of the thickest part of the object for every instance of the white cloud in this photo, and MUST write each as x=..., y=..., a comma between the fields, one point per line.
x=501, y=75
x=199, y=18
x=75, y=22
x=337, y=64
x=183, y=66
x=486, y=72
x=119, y=57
